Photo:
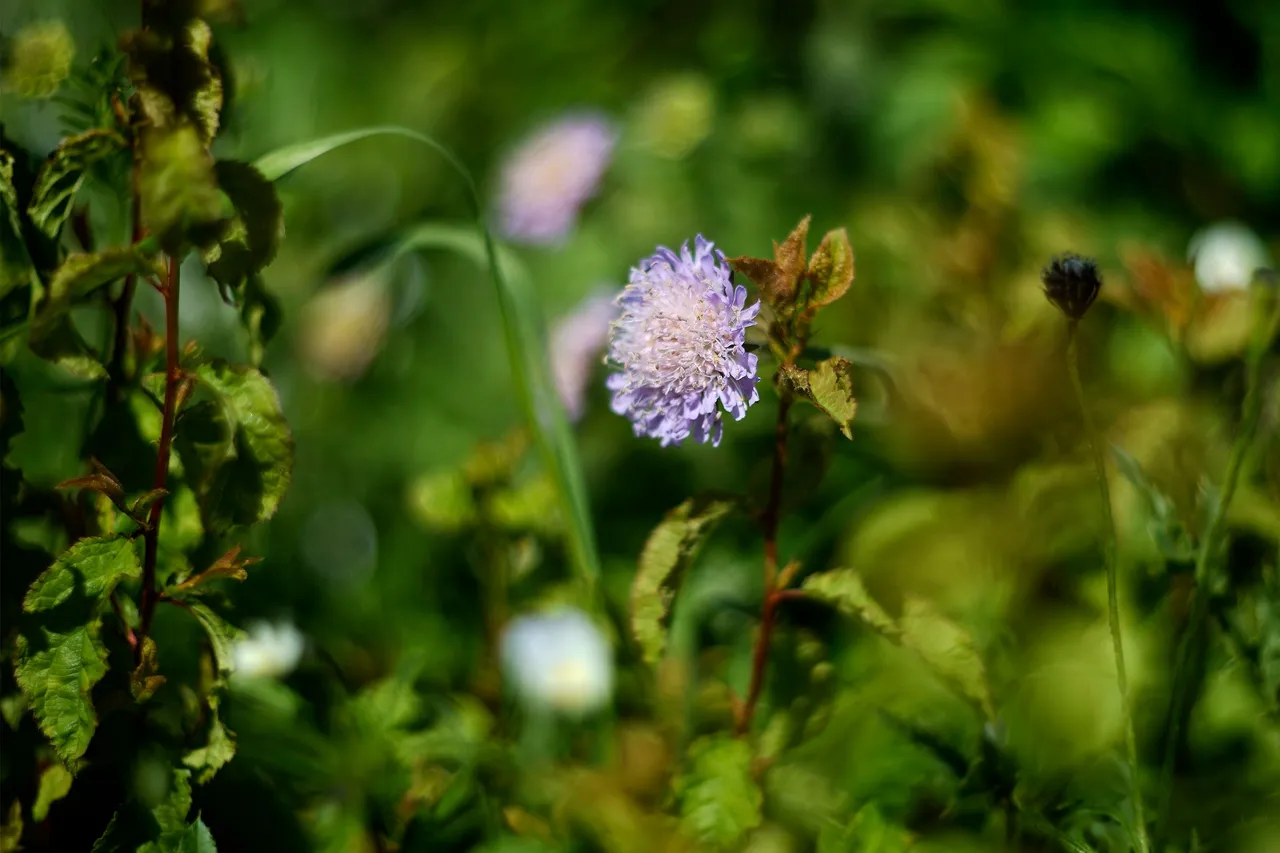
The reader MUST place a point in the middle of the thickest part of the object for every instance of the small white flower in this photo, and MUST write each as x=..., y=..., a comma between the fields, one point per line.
x=1226, y=255
x=558, y=660
x=267, y=651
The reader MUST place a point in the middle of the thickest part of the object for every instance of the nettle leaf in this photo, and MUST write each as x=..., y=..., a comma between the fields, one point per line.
x=222, y=636
x=176, y=82
x=181, y=203
x=63, y=173
x=91, y=567
x=667, y=554
x=242, y=481
x=253, y=236
x=829, y=386
x=1164, y=525
x=720, y=801
x=62, y=658
x=831, y=268
x=948, y=649
x=55, y=783
x=844, y=589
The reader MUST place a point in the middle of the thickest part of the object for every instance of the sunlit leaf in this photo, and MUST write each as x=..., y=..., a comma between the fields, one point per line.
x=58, y=665
x=181, y=204
x=62, y=174
x=55, y=783
x=829, y=386
x=222, y=635
x=144, y=680
x=219, y=748
x=720, y=801
x=948, y=649
x=91, y=568
x=831, y=268
x=844, y=589
x=667, y=555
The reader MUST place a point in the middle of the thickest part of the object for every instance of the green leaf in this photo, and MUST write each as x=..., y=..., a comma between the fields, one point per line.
x=261, y=316
x=667, y=555
x=55, y=783
x=948, y=649
x=253, y=236
x=868, y=832
x=143, y=681
x=222, y=636
x=58, y=665
x=162, y=828
x=91, y=567
x=843, y=588
x=220, y=747
x=197, y=839
x=831, y=268
x=79, y=276
x=829, y=386
x=248, y=483
x=181, y=203
x=719, y=800
x=779, y=279
x=523, y=332
x=11, y=829
x=63, y=173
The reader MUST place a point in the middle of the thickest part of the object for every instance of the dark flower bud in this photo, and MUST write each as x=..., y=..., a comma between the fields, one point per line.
x=1071, y=283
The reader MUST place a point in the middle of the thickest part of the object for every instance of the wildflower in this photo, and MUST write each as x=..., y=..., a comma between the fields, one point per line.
x=576, y=342
x=549, y=176
x=1226, y=254
x=1071, y=283
x=679, y=345
x=267, y=651
x=558, y=660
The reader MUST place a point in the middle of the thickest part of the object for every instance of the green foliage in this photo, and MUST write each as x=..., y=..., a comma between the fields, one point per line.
x=667, y=555
x=181, y=203
x=829, y=386
x=55, y=783
x=253, y=236
x=63, y=174
x=831, y=268
x=1164, y=525
x=720, y=801
x=222, y=636
x=779, y=279
x=843, y=588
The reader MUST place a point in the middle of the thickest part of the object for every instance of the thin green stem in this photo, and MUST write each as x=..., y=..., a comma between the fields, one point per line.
x=1113, y=593
x=1211, y=548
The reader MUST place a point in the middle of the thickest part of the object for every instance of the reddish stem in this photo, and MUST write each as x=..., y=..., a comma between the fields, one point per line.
x=173, y=378
x=768, y=613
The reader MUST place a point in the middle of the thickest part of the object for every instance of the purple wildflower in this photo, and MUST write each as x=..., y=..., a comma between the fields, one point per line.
x=576, y=343
x=679, y=344
x=548, y=177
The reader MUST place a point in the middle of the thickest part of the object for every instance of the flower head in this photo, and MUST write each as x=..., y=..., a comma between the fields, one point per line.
x=1071, y=283
x=1226, y=255
x=576, y=343
x=267, y=651
x=548, y=177
x=558, y=660
x=679, y=346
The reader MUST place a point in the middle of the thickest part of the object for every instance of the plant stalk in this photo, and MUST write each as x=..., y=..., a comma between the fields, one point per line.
x=173, y=378
x=1113, y=594
x=122, y=305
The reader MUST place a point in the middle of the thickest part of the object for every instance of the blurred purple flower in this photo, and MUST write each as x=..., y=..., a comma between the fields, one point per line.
x=576, y=343
x=679, y=344
x=550, y=175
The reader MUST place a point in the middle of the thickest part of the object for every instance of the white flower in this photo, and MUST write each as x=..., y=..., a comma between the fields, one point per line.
x=1226, y=255
x=267, y=651
x=558, y=660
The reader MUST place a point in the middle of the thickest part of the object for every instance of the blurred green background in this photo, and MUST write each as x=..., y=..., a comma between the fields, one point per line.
x=962, y=144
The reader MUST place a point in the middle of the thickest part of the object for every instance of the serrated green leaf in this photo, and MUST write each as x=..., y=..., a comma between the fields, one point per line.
x=948, y=649
x=181, y=204
x=843, y=589
x=522, y=329
x=91, y=566
x=720, y=801
x=222, y=636
x=667, y=555
x=55, y=783
x=831, y=268
x=197, y=839
x=248, y=483
x=62, y=174
x=829, y=386
x=253, y=236
x=58, y=664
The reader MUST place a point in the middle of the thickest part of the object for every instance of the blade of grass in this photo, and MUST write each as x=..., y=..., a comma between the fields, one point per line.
x=522, y=325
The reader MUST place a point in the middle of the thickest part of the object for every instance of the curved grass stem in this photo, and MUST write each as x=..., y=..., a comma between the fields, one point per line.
x=1113, y=594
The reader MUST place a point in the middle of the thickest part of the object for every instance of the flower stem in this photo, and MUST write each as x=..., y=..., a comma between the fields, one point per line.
x=768, y=613
x=173, y=378
x=1211, y=546
x=1113, y=594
